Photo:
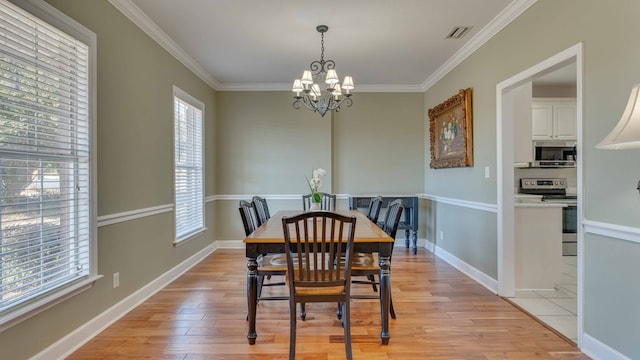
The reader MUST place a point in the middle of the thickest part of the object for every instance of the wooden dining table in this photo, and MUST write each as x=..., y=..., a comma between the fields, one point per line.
x=269, y=238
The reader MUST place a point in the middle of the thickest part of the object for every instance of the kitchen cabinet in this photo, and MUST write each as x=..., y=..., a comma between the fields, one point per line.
x=553, y=119
x=538, y=244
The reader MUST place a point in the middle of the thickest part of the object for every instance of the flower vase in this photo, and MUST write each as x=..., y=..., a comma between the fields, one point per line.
x=315, y=206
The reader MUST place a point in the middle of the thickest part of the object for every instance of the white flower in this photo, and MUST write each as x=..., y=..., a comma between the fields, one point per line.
x=319, y=172
x=315, y=182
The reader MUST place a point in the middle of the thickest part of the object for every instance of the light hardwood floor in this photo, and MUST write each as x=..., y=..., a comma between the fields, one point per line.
x=441, y=314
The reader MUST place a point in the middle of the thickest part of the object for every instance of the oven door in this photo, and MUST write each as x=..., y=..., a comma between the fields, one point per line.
x=569, y=231
x=569, y=225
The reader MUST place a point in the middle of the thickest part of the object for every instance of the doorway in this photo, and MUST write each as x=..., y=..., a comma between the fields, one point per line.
x=505, y=101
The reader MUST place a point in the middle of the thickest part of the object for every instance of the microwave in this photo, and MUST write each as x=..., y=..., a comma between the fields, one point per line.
x=554, y=154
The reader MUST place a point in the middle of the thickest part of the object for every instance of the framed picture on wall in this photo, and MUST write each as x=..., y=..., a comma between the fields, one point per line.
x=451, y=132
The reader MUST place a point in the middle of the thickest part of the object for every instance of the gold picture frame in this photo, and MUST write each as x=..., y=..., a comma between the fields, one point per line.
x=451, y=132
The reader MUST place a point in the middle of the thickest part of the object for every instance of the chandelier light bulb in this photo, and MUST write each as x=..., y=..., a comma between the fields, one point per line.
x=297, y=87
x=337, y=92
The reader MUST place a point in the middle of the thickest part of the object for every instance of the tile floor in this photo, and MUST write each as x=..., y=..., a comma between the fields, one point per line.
x=557, y=308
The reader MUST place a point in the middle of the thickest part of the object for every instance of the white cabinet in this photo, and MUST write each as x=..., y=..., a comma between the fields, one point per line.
x=553, y=119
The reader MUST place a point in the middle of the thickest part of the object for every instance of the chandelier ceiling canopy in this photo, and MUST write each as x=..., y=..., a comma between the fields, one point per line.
x=319, y=88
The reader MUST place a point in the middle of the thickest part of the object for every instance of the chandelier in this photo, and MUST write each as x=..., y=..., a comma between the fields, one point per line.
x=307, y=88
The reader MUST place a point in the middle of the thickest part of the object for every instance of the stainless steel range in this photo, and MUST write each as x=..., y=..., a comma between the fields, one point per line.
x=555, y=190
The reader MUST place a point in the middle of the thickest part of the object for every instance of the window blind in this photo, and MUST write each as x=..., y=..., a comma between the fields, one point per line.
x=44, y=158
x=188, y=160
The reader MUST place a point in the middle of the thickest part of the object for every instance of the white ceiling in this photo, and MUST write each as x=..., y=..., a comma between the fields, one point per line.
x=385, y=45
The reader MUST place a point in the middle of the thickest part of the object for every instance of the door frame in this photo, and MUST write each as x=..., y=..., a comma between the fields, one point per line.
x=505, y=171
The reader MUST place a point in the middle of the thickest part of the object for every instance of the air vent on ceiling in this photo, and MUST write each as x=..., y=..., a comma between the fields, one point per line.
x=458, y=32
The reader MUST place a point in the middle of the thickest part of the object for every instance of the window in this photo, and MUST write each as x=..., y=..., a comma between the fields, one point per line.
x=47, y=230
x=188, y=168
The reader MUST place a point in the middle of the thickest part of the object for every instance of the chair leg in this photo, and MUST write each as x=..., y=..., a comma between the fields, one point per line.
x=346, y=323
x=292, y=329
x=339, y=311
x=260, y=283
x=373, y=282
x=391, y=309
x=303, y=312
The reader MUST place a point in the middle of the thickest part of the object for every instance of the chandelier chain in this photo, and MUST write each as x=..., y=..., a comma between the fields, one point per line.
x=322, y=48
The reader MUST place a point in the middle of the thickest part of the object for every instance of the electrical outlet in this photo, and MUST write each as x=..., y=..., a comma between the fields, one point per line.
x=116, y=280
x=441, y=235
x=486, y=172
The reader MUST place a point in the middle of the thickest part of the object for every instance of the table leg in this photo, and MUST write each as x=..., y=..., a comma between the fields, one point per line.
x=385, y=290
x=415, y=242
x=252, y=298
x=407, y=237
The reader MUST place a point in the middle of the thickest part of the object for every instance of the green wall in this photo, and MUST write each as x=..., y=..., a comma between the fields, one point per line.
x=135, y=79
x=609, y=177
x=267, y=147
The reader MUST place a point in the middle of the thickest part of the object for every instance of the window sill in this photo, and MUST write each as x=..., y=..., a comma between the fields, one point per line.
x=191, y=236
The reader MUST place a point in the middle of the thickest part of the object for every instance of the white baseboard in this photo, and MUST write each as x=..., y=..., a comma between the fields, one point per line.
x=598, y=350
x=468, y=270
x=75, y=339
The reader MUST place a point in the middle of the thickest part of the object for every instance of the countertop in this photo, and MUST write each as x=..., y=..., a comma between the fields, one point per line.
x=527, y=200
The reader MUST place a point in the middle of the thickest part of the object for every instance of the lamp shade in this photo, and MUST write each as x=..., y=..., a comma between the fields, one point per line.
x=332, y=77
x=306, y=77
x=348, y=83
x=626, y=134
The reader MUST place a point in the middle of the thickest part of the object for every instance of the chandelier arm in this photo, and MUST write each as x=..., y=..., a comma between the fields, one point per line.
x=306, y=101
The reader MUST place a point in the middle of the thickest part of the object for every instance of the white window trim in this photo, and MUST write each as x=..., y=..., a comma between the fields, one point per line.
x=53, y=16
x=184, y=96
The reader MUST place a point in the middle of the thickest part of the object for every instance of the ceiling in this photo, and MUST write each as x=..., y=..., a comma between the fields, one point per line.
x=385, y=45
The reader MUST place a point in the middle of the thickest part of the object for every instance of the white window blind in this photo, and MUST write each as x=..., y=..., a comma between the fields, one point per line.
x=188, y=160
x=45, y=227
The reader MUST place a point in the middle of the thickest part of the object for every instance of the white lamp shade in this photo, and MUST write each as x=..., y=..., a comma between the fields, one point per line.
x=332, y=77
x=626, y=134
x=337, y=91
x=307, y=79
x=347, y=84
x=297, y=85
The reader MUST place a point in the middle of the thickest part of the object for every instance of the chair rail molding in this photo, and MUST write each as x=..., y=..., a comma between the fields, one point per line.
x=462, y=203
x=614, y=231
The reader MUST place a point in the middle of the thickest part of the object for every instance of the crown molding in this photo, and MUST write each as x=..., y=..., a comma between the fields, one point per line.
x=133, y=13
x=287, y=87
x=506, y=16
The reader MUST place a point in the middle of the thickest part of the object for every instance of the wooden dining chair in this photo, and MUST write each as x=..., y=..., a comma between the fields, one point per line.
x=369, y=264
x=262, y=210
x=313, y=241
x=328, y=202
x=268, y=264
x=373, y=212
